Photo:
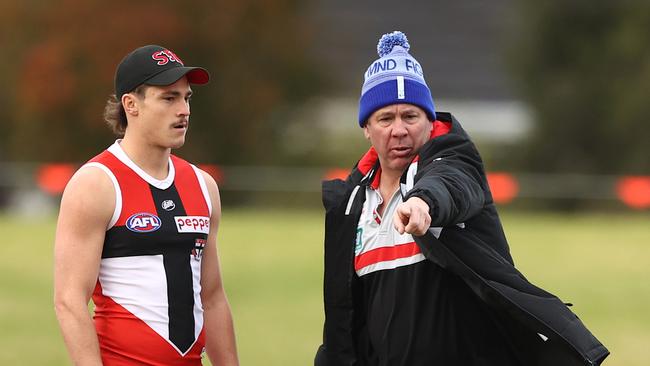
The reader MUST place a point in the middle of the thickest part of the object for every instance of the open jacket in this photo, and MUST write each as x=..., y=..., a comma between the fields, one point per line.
x=465, y=238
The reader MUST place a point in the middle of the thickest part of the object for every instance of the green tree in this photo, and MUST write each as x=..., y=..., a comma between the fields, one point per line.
x=584, y=67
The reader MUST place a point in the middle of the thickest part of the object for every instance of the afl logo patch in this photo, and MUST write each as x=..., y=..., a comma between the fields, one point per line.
x=143, y=222
x=168, y=205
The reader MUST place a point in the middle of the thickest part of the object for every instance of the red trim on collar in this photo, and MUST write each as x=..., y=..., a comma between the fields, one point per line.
x=440, y=128
x=368, y=161
x=375, y=180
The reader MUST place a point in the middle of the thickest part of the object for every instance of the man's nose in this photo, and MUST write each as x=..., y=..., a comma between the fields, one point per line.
x=184, y=109
x=399, y=128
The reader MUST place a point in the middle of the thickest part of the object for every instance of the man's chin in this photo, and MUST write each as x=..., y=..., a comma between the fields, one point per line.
x=400, y=163
x=177, y=144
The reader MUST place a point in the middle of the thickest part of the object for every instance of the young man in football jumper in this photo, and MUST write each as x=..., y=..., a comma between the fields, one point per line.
x=137, y=233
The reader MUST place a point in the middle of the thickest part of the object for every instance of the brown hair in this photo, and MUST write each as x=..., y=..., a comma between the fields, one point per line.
x=114, y=113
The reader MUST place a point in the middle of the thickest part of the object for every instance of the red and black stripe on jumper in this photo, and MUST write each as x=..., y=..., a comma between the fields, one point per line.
x=139, y=196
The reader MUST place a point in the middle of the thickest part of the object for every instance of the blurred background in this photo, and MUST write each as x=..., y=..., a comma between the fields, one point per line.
x=554, y=94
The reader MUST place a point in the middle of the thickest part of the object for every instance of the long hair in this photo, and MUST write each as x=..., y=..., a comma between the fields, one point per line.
x=114, y=113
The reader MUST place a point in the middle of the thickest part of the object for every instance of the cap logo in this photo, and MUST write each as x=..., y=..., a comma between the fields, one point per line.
x=381, y=65
x=412, y=65
x=165, y=56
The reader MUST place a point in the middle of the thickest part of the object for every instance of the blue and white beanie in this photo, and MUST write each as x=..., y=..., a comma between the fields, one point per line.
x=396, y=77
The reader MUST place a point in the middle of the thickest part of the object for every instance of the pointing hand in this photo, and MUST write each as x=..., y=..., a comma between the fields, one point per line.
x=412, y=217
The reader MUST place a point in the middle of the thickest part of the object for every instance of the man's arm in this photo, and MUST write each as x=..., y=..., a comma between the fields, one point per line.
x=445, y=194
x=219, y=330
x=86, y=209
x=449, y=184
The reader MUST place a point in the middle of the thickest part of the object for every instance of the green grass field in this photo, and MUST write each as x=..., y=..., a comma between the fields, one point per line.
x=272, y=268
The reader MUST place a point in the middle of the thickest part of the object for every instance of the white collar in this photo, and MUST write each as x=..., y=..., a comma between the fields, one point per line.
x=119, y=153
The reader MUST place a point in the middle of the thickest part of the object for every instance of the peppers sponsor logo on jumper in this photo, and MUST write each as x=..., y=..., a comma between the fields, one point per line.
x=143, y=222
x=192, y=224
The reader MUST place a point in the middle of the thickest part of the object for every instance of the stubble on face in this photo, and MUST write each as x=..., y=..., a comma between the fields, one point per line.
x=397, y=132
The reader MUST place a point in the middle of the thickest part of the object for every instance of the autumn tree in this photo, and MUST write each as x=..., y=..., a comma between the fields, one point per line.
x=63, y=55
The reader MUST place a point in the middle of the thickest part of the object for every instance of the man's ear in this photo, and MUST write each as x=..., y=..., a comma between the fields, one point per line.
x=365, y=131
x=130, y=104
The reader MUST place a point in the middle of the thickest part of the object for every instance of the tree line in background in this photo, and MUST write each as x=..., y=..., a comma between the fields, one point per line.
x=583, y=66
x=63, y=55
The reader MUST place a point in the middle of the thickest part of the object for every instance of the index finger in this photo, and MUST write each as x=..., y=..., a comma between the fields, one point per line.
x=398, y=221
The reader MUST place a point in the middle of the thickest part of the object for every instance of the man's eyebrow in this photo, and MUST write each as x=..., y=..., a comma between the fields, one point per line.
x=410, y=109
x=176, y=93
x=385, y=114
x=171, y=93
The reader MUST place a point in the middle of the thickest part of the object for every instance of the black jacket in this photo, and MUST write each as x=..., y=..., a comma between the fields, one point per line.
x=466, y=239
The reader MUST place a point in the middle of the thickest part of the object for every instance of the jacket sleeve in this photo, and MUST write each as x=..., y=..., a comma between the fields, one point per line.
x=450, y=179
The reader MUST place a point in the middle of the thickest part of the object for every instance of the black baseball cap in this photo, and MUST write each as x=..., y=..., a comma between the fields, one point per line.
x=154, y=65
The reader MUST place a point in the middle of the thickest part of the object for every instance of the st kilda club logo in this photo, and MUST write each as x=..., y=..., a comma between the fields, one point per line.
x=199, y=245
x=166, y=56
x=143, y=222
